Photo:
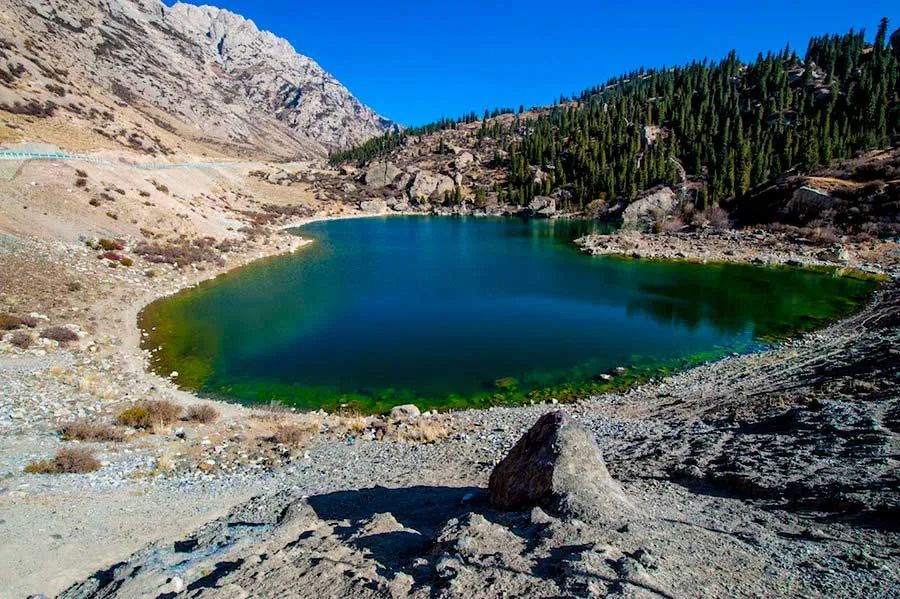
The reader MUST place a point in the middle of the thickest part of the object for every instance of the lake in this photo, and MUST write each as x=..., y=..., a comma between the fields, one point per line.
x=455, y=312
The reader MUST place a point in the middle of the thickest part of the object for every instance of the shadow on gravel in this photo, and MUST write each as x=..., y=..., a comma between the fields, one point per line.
x=421, y=511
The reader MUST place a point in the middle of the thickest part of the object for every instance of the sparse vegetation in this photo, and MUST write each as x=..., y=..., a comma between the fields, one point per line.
x=68, y=460
x=180, y=254
x=289, y=434
x=85, y=430
x=60, y=334
x=147, y=414
x=9, y=322
x=203, y=413
x=21, y=339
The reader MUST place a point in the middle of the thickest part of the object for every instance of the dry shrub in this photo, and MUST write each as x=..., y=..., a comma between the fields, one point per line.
x=21, y=339
x=68, y=460
x=717, y=217
x=111, y=245
x=181, y=254
x=147, y=414
x=202, y=413
x=290, y=434
x=60, y=334
x=84, y=430
x=8, y=322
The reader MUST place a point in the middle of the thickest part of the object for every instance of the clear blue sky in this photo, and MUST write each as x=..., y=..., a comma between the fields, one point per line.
x=416, y=61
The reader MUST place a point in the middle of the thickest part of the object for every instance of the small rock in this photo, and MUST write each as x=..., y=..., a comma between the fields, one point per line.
x=405, y=412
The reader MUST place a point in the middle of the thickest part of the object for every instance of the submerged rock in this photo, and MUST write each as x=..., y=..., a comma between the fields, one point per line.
x=558, y=466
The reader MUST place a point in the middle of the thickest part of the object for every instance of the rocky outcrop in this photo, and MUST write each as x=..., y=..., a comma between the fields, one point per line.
x=427, y=184
x=373, y=206
x=541, y=207
x=557, y=465
x=196, y=71
x=660, y=201
x=381, y=174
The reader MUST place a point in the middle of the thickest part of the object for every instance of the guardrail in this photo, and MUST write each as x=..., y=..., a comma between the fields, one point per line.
x=9, y=155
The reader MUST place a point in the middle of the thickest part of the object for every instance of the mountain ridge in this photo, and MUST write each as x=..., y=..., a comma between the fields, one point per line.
x=198, y=72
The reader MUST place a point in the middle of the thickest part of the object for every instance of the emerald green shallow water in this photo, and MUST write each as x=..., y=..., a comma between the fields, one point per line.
x=450, y=312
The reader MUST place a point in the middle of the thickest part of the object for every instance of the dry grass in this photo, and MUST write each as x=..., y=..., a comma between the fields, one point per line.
x=85, y=430
x=291, y=434
x=68, y=460
x=203, y=413
x=354, y=425
x=422, y=431
x=150, y=414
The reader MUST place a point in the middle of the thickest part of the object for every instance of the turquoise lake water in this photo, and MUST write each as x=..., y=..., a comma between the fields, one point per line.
x=452, y=312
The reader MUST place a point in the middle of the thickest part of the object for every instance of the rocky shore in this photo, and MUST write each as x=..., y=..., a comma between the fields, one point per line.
x=749, y=246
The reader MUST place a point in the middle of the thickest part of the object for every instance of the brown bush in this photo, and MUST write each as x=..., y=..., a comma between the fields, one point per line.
x=68, y=460
x=84, y=430
x=202, y=413
x=60, y=334
x=8, y=322
x=148, y=414
x=289, y=434
x=21, y=339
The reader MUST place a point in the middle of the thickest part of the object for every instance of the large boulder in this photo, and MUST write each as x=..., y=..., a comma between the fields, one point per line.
x=807, y=204
x=381, y=174
x=427, y=184
x=558, y=466
x=645, y=209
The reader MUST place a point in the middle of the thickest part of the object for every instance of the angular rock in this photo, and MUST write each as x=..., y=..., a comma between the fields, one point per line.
x=662, y=200
x=373, y=206
x=558, y=466
x=381, y=174
x=427, y=184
